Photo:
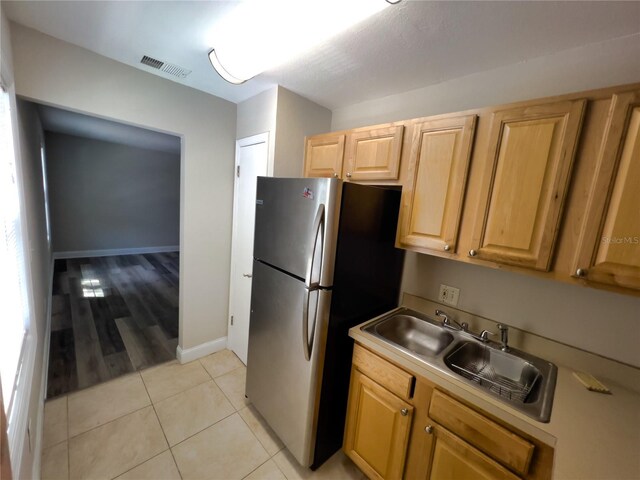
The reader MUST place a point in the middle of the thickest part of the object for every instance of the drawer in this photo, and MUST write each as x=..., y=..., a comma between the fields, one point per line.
x=386, y=374
x=486, y=435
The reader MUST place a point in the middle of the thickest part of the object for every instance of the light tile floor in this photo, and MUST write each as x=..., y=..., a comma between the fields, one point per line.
x=171, y=422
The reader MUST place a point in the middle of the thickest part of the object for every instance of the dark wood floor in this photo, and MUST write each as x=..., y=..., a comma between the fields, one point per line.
x=111, y=316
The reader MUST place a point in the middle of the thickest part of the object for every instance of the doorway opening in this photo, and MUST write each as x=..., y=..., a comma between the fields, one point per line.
x=113, y=202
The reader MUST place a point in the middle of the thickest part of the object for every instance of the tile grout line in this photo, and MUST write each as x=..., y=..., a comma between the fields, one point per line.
x=136, y=466
x=161, y=428
x=253, y=433
x=259, y=466
x=200, y=431
x=110, y=421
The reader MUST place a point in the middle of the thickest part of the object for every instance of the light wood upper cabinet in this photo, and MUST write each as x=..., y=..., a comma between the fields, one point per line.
x=323, y=155
x=609, y=244
x=373, y=154
x=528, y=163
x=377, y=429
x=433, y=195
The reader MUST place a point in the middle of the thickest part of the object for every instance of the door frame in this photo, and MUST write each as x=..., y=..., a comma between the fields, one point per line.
x=242, y=142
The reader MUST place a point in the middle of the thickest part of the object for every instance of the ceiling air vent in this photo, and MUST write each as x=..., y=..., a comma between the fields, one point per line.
x=169, y=68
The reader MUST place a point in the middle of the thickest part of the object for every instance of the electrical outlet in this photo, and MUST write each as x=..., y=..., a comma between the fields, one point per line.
x=449, y=295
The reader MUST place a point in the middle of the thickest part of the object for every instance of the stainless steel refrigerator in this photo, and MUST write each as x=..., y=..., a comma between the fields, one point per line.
x=324, y=261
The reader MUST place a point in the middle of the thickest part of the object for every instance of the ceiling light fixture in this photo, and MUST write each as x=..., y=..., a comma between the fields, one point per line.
x=259, y=35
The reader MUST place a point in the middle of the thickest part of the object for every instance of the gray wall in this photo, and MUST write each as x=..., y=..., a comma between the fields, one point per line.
x=597, y=321
x=106, y=196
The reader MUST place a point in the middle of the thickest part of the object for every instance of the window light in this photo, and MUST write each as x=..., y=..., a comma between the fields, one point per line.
x=259, y=35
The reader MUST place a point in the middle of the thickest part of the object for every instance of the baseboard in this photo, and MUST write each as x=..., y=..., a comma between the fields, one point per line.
x=202, y=350
x=36, y=467
x=114, y=251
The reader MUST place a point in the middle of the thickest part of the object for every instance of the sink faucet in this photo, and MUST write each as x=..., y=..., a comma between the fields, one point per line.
x=504, y=337
x=446, y=322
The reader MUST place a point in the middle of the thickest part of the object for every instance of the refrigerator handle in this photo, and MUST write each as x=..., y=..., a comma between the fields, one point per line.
x=318, y=226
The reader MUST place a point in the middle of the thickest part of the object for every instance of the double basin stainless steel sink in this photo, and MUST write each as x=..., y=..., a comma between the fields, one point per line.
x=525, y=382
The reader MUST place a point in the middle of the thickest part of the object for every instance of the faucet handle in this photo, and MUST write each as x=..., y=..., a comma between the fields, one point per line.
x=484, y=335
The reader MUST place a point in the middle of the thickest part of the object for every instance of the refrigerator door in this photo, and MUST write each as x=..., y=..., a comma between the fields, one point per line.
x=287, y=212
x=283, y=386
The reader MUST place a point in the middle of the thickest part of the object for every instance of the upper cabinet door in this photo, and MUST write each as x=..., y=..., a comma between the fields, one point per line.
x=609, y=243
x=433, y=195
x=374, y=154
x=528, y=162
x=323, y=155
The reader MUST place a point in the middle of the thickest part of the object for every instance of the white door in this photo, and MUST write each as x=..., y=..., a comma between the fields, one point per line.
x=251, y=162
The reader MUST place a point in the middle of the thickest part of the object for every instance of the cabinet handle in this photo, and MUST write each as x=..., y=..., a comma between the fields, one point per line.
x=348, y=174
x=404, y=412
x=335, y=175
x=581, y=272
x=447, y=247
x=429, y=429
x=472, y=253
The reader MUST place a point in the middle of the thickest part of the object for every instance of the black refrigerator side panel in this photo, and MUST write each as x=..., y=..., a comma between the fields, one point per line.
x=366, y=284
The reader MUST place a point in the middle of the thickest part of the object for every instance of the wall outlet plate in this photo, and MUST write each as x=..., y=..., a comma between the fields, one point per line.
x=449, y=295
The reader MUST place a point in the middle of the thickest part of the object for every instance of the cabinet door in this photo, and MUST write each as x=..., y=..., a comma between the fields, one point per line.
x=374, y=154
x=323, y=155
x=433, y=196
x=454, y=459
x=529, y=159
x=609, y=244
x=377, y=430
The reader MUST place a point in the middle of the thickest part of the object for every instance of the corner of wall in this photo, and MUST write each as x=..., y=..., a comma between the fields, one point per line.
x=296, y=118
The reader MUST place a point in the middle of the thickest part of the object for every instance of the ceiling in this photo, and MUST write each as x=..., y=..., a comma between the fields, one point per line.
x=72, y=123
x=406, y=46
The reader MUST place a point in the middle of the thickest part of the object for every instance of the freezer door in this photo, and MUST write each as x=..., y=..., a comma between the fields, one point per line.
x=287, y=211
x=284, y=386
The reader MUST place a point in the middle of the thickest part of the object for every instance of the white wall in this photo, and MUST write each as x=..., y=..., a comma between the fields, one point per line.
x=57, y=73
x=40, y=266
x=25, y=464
x=601, y=322
x=297, y=117
x=109, y=196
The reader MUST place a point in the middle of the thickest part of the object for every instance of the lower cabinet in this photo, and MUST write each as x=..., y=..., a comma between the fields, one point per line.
x=403, y=426
x=453, y=458
x=378, y=426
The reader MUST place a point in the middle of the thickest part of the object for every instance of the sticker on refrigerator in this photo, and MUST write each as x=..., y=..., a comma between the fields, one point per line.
x=308, y=193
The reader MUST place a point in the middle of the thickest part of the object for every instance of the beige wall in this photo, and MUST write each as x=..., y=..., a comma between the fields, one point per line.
x=60, y=74
x=288, y=118
x=258, y=115
x=597, y=321
x=297, y=117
